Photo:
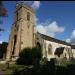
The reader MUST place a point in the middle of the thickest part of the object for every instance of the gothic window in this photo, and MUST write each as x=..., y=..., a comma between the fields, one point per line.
x=17, y=15
x=49, y=49
x=38, y=45
x=17, y=27
x=67, y=49
x=28, y=16
x=14, y=44
x=65, y=57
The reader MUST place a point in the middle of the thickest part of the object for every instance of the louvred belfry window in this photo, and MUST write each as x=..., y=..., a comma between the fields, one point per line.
x=28, y=16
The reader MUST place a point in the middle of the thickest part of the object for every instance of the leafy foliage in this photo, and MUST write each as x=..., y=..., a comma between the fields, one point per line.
x=3, y=48
x=29, y=56
x=3, y=11
x=25, y=57
x=47, y=69
x=36, y=55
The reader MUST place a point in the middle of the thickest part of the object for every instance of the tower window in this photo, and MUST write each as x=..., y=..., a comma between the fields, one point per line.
x=28, y=16
x=17, y=15
x=17, y=27
x=14, y=44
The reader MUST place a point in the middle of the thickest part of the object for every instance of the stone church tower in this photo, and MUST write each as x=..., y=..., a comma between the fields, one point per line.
x=22, y=31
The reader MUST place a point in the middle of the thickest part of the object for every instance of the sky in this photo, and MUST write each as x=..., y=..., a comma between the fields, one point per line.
x=53, y=18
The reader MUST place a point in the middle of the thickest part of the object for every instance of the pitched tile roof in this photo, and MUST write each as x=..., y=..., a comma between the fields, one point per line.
x=53, y=39
x=73, y=46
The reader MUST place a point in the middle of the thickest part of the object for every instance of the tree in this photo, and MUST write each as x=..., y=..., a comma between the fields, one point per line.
x=3, y=48
x=36, y=55
x=25, y=57
x=30, y=56
x=3, y=13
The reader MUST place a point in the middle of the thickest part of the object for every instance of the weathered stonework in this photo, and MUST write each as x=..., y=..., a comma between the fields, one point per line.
x=22, y=31
x=23, y=34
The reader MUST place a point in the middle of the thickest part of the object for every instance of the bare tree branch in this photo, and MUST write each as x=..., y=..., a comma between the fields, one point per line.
x=1, y=29
x=3, y=11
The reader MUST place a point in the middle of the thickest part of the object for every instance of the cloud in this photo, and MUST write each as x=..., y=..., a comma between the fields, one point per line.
x=68, y=40
x=1, y=42
x=53, y=27
x=73, y=34
x=28, y=2
x=36, y=19
x=36, y=5
x=41, y=29
x=71, y=39
x=49, y=29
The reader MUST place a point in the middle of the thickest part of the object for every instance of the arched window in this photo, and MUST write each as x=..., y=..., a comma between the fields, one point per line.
x=49, y=49
x=17, y=15
x=28, y=16
x=66, y=48
x=38, y=45
x=15, y=39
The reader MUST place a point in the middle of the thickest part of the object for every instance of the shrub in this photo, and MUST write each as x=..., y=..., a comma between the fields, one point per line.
x=29, y=56
x=25, y=57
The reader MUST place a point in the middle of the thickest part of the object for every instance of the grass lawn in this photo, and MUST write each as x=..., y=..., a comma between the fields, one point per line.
x=7, y=71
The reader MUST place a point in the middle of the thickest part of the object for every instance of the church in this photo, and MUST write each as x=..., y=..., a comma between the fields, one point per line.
x=23, y=34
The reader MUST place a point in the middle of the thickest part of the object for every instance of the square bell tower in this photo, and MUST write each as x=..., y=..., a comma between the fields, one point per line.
x=22, y=33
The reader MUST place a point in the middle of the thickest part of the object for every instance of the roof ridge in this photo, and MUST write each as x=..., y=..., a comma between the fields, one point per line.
x=53, y=39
